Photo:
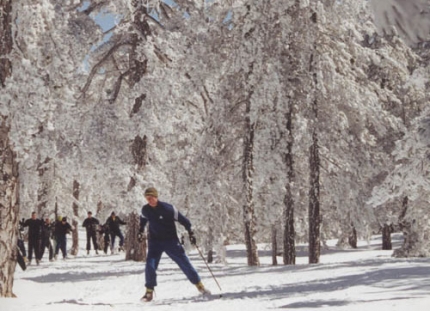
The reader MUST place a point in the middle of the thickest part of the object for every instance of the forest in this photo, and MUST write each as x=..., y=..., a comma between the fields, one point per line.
x=282, y=122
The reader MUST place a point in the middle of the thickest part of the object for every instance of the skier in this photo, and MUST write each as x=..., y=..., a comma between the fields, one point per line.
x=113, y=222
x=106, y=239
x=21, y=253
x=61, y=230
x=91, y=225
x=162, y=237
x=34, y=237
x=47, y=232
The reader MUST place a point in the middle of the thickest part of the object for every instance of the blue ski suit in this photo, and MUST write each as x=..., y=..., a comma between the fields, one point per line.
x=162, y=237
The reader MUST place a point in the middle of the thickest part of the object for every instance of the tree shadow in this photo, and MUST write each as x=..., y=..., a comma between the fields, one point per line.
x=330, y=303
x=401, y=282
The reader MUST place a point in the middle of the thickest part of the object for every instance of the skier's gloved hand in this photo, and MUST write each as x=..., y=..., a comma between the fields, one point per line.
x=192, y=238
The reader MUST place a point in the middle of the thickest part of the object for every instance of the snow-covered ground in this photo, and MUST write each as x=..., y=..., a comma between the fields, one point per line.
x=363, y=279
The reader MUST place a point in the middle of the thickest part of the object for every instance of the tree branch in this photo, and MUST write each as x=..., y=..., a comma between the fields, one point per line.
x=99, y=64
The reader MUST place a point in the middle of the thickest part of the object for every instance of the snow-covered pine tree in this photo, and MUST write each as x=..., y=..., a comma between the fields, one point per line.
x=347, y=122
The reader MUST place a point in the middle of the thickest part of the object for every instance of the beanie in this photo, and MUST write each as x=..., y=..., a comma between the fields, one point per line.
x=151, y=192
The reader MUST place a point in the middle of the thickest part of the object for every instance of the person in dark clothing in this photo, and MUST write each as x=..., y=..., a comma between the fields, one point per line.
x=106, y=237
x=21, y=239
x=21, y=252
x=113, y=223
x=162, y=237
x=34, y=237
x=91, y=224
x=60, y=233
x=47, y=233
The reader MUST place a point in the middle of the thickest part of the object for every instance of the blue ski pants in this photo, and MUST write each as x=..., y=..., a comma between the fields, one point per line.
x=176, y=252
x=112, y=239
x=61, y=244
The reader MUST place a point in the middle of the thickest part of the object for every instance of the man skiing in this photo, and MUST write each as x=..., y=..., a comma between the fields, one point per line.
x=91, y=225
x=113, y=222
x=34, y=237
x=62, y=228
x=162, y=237
x=47, y=233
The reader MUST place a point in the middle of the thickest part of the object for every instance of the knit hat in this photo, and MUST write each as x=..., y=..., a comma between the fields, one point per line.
x=151, y=192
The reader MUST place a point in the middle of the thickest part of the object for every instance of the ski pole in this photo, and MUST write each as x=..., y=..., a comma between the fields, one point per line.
x=201, y=255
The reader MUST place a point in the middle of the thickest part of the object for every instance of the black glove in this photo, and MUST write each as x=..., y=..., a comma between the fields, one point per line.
x=192, y=238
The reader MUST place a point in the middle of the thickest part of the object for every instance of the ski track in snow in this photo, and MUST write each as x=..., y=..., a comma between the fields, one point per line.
x=365, y=278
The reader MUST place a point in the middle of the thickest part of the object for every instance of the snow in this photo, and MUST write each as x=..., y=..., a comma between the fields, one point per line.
x=363, y=279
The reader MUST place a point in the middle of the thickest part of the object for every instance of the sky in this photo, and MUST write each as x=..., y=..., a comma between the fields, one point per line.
x=346, y=280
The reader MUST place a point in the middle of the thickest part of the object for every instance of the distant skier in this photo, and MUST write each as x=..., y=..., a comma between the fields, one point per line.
x=91, y=225
x=162, y=237
x=34, y=237
x=62, y=228
x=47, y=233
x=104, y=232
x=21, y=253
x=113, y=222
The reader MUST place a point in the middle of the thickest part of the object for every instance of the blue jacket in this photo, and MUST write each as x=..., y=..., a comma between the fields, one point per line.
x=162, y=221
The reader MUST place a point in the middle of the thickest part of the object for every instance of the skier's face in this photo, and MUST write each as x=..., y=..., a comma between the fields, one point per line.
x=152, y=201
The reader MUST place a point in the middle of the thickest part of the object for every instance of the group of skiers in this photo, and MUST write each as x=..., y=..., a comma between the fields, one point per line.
x=161, y=235
x=40, y=236
x=45, y=234
x=110, y=230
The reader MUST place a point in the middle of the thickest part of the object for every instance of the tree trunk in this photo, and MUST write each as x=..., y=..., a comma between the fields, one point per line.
x=386, y=237
x=415, y=230
x=6, y=42
x=75, y=235
x=210, y=256
x=75, y=238
x=134, y=249
x=314, y=203
x=248, y=207
x=9, y=210
x=139, y=151
x=274, y=246
x=99, y=206
x=352, y=239
x=314, y=164
x=210, y=240
x=289, y=255
x=42, y=191
x=402, y=221
x=9, y=175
